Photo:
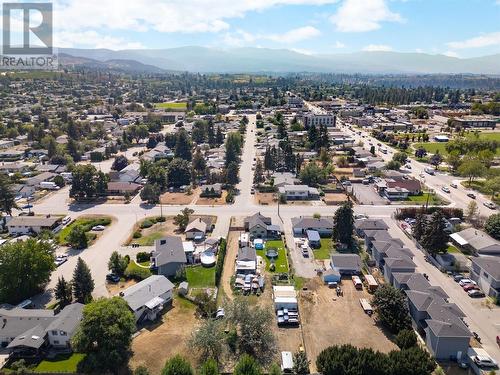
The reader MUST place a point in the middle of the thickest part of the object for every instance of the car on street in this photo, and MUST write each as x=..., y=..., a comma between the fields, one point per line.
x=446, y=189
x=490, y=205
x=113, y=278
x=98, y=228
x=474, y=293
x=454, y=185
x=60, y=259
x=471, y=195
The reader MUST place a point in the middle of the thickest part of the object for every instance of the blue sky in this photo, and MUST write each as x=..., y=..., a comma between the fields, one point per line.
x=463, y=28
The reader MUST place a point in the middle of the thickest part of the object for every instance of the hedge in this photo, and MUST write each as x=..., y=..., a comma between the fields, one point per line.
x=220, y=260
x=412, y=212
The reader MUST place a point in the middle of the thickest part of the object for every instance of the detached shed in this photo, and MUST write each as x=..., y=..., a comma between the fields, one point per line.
x=313, y=238
x=331, y=276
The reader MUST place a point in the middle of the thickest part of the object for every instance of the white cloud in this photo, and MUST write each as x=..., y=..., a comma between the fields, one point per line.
x=419, y=50
x=92, y=39
x=339, y=45
x=484, y=40
x=363, y=15
x=377, y=48
x=240, y=37
x=302, y=51
x=451, y=54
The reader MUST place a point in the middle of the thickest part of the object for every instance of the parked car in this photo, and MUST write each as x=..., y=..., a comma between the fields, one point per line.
x=60, y=259
x=468, y=287
x=483, y=361
x=446, y=189
x=111, y=277
x=454, y=185
x=305, y=253
x=471, y=195
x=98, y=228
x=490, y=205
x=466, y=281
x=475, y=293
x=458, y=277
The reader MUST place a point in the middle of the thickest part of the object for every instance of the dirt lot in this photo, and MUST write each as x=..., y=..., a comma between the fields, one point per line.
x=333, y=198
x=177, y=198
x=228, y=270
x=327, y=322
x=211, y=201
x=158, y=342
x=265, y=198
x=114, y=289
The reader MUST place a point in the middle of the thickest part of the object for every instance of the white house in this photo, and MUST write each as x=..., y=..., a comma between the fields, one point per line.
x=33, y=224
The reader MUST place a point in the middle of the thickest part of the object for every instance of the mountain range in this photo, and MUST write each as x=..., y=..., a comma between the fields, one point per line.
x=254, y=60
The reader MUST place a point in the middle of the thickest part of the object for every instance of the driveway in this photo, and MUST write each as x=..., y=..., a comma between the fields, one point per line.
x=366, y=194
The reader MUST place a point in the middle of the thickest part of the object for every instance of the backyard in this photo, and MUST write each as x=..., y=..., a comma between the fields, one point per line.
x=62, y=363
x=325, y=250
x=281, y=262
x=200, y=277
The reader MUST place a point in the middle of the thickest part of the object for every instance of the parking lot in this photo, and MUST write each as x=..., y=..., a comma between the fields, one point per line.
x=330, y=320
x=366, y=194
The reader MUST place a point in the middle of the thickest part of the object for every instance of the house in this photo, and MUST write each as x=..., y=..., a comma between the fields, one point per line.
x=196, y=230
x=346, y=264
x=361, y=225
x=313, y=239
x=379, y=250
x=298, y=192
x=22, y=191
x=486, y=272
x=398, y=264
x=53, y=168
x=42, y=177
x=27, y=331
x=122, y=188
x=161, y=151
x=260, y=226
x=33, y=224
x=476, y=241
x=370, y=236
x=440, y=323
x=284, y=178
x=285, y=297
x=128, y=174
x=149, y=297
x=246, y=261
x=322, y=225
x=211, y=191
x=168, y=256
x=417, y=282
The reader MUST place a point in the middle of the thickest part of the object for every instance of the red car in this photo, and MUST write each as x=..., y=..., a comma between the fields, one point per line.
x=468, y=287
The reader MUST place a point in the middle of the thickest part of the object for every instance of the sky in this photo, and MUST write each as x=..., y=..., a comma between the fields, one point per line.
x=460, y=28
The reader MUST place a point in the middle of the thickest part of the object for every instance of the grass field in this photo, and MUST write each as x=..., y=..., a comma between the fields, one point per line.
x=200, y=277
x=434, y=199
x=148, y=240
x=324, y=251
x=180, y=106
x=87, y=223
x=432, y=147
x=478, y=185
x=63, y=363
x=134, y=270
x=453, y=250
x=281, y=263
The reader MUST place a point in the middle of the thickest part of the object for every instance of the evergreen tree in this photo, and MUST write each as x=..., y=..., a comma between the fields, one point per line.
x=258, y=176
x=300, y=363
x=344, y=224
x=211, y=134
x=219, y=137
x=63, y=292
x=232, y=171
x=209, y=368
x=199, y=163
x=177, y=366
x=247, y=366
x=7, y=198
x=312, y=137
x=150, y=193
x=82, y=282
x=434, y=238
x=391, y=308
x=183, y=145
x=420, y=226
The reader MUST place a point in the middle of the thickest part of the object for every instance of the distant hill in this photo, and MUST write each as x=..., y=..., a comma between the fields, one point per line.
x=252, y=60
x=113, y=64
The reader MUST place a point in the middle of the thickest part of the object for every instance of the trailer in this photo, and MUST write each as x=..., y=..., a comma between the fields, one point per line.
x=367, y=307
x=357, y=282
x=371, y=282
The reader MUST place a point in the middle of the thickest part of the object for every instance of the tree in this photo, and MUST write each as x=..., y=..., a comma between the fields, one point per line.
x=209, y=368
x=349, y=360
x=419, y=227
x=343, y=224
x=157, y=176
x=393, y=165
x=232, y=173
x=435, y=238
x=82, y=282
x=63, y=292
x=234, y=142
x=7, y=195
x=179, y=173
x=101, y=184
x=300, y=363
x=492, y=226
x=141, y=370
x=247, y=366
x=77, y=238
x=183, y=146
x=119, y=163
x=105, y=335
x=400, y=157
x=209, y=339
x=471, y=168
x=83, y=183
x=275, y=369
x=472, y=211
x=391, y=308
x=59, y=181
x=412, y=361
x=454, y=159
x=199, y=163
x=25, y=268
x=492, y=186
x=313, y=175
x=258, y=176
x=177, y=366
x=150, y=193
x=420, y=153
x=117, y=263
x=182, y=219
x=436, y=159
x=406, y=339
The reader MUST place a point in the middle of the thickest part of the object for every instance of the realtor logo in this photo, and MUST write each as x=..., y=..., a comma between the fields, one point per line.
x=34, y=49
x=43, y=31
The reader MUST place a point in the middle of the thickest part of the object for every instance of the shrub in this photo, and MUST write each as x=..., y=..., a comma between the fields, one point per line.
x=142, y=256
x=161, y=219
x=406, y=339
x=137, y=273
x=137, y=234
x=147, y=224
x=220, y=260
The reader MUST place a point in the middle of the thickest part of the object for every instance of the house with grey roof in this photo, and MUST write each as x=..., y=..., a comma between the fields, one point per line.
x=284, y=178
x=26, y=332
x=346, y=264
x=322, y=225
x=417, y=282
x=362, y=225
x=246, y=261
x=148, y=298
x=33, y=224
x=168, y=256
x=486, y=272
x=260, y=226
x=298, y=192
x=398, y=264
x=196, y=230
x=476, y=241
x=383, y=249
x=372, y=235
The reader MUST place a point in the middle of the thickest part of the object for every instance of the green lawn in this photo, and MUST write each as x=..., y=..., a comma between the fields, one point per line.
x=325, y=250
x=149, y=239
x=200, y=277
x=65, y=363
x=136, y=271
x=432, y=147
x=434, y=199
x=453, y=250
x=478, y=185
x=180, y=106
x=87, y=223
x=281, y=263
